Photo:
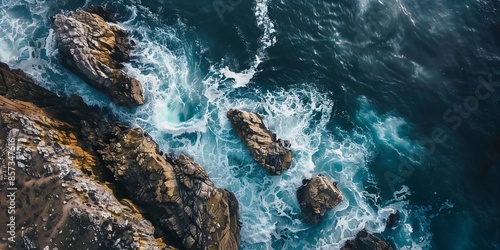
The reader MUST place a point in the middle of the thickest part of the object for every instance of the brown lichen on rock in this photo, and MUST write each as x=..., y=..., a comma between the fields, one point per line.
x=316, y=196
x=271, y=153
x=94, y=50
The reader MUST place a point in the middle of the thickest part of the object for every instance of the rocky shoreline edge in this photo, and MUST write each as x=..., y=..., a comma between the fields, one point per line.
x=86, y=180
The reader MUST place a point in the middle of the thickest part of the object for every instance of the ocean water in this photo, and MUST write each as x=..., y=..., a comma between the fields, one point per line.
x=395, y=100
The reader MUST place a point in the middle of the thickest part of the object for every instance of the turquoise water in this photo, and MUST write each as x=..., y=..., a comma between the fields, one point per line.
x=358, y=87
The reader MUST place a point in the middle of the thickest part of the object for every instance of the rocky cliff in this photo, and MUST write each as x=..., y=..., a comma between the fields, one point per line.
x=82, y=179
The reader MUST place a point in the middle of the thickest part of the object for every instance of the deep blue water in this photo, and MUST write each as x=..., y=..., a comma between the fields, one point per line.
x=396, y=100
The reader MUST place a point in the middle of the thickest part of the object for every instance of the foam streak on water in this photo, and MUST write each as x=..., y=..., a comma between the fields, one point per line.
x=267, y=40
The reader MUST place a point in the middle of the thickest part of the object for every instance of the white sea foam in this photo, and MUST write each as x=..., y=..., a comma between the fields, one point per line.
x=16, y=25
x=390, y=130
x=161, y=63
x=241, y=79
x=267, y=40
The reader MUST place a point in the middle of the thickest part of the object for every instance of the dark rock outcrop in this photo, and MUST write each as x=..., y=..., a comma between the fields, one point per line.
x=366, y=241
x=316, y=196
x=68, y=157
x=271, y=153
x=392, y=220
x=94, y=50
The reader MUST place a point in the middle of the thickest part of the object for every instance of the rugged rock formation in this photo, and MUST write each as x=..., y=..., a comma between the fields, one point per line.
x=271, y=153
x=366, y=241
x=316, y=196
x=61, y=200
x=66, y=156
x=178, y=192
x=95, y=50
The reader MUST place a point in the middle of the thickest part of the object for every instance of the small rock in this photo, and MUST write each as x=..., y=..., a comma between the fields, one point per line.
x=392, y=220
x=316, y=196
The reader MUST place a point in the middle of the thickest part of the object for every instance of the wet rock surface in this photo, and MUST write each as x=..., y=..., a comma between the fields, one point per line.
x=366, y=241
x=94, y=50
x=392, y=220
x=271, y=153
x=69, y=159
x=316, y=196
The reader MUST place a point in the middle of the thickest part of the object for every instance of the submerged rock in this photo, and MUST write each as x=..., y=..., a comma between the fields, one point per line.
x=316, y=196
x=366, y=241
x=392, y=220
x=271, y=153
x=94, y=50
x=68, y=157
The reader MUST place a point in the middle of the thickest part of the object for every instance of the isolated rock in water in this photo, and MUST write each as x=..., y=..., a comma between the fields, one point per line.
x=392, y=220
x=271, y=153
x=316, y=196
x=68, y=157
x=94, y=50
x=366, y=241
x=62, y=200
